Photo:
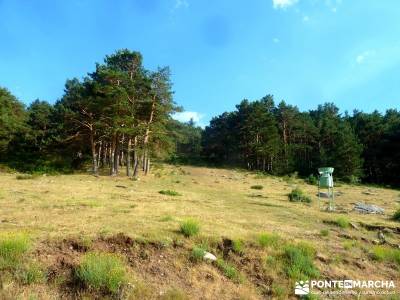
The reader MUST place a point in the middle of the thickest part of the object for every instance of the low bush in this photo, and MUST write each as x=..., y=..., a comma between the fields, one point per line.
x=101, y=271
x=311, y=179
x=189, y=227
x=169, y=193
x=238, y=246
x=197, y=254
x=26, y=176
x=257, y=187
x=167, y=218
x=229, y=271
x=352, y=179
x=268, y=240
x=29, y=274
x=297, y=195
x=381, y=253
x=396, y=215
x=342, y=222
x=12, y=250
x=324, y=232
x=298, y=260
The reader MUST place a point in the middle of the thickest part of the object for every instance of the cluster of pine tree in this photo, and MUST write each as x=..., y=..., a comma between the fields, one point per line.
x=119, y=115
x=281, y=139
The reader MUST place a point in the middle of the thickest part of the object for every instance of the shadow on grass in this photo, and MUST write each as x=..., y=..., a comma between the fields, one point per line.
x=266, y=204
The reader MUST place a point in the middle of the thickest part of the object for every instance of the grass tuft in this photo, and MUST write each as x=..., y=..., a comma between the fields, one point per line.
x=257, y=187
x=342, y=222
x=26, y=176
x=169, y=193
x=238, y=246
x=324, y=232
x=297, y=195
x=101, y=271
x=268, y=240
x=197, y=254
x=12, y=250
x=30, y=274
x=166, y=218
x=189, y=227
x=299, y=263
x=385, y=254
x=396, y=215
x=229, y=271
x=311, y=179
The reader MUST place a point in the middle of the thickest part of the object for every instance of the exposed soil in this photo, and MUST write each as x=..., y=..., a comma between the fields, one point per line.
x=160, y=268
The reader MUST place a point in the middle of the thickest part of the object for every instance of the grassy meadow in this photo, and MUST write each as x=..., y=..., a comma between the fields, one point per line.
x=154, y=231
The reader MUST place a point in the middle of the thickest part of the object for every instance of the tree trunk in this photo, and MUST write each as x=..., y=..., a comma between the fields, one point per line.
x=128, y=158
x=112, y=156
x=99, y=154
x=135, y=165
x=144, y=156
x=105, y=154
x=116, y=156
x=94, y=155
x=147, y=166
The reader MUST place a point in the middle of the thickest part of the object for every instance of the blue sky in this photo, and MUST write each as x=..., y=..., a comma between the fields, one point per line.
x=303, y=51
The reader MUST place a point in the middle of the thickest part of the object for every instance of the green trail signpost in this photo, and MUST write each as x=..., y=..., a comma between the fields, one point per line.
x=326, y=181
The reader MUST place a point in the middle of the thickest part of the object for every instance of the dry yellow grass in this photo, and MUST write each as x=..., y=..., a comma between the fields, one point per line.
x=55, y=207
x=221, y=200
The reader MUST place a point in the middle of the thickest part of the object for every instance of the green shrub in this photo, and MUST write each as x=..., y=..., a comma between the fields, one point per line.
x=12, y=250
x=101, y=271
x=169, y=193
x=190, y=227
x=29, y=274
x=268, y=240
x=324, y=232
x=297, y=195
x=311, y=179
x=298, y=261
x=381, y=253
x=342, y=222
x=167, y=218
x=26, y=176
x=197, y=254
x=352, y=179
x=396, y=215
x=347, y=245
x=228, y=270
x=257, y=187
x=271, y=262
x=238, y=246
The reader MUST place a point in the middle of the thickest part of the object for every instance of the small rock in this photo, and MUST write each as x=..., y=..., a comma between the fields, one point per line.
x=209, y=256
x=368, y=208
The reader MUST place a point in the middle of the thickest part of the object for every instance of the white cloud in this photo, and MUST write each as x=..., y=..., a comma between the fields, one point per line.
x=363, y=56
x=276, y=40
x=283, y=3
x=181, y=4
x=186, y=116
